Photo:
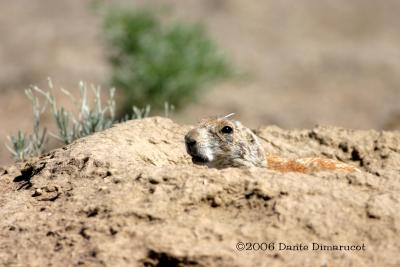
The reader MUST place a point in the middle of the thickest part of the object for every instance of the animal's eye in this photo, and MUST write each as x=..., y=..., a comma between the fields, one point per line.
x=227, y=130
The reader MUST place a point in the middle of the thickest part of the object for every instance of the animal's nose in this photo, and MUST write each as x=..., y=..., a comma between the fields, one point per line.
x=190, y=141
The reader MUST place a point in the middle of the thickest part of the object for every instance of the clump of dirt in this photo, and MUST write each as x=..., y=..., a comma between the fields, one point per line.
x=130, y=196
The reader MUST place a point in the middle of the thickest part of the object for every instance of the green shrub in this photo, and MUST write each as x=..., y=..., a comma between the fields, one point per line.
x=156, y=63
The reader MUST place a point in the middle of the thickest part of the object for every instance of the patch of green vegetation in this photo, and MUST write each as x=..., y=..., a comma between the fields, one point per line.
x=155, y=62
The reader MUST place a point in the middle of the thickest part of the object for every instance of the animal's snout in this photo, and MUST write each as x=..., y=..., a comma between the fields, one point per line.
x=191, y=142
x=195, y=147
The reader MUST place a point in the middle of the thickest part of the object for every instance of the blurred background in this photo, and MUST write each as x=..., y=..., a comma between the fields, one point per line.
x=290, y=63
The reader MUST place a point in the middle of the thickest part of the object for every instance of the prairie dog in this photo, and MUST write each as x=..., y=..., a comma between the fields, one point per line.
x=222, y=143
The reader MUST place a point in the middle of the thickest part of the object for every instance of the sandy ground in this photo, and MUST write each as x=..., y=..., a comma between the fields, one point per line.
x=327, y=62
x=129, y=196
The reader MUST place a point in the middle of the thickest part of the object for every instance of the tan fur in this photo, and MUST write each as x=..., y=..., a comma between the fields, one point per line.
x=209, y=145
x=307, y=165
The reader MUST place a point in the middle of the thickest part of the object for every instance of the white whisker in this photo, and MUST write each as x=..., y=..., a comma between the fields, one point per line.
x=229, y=115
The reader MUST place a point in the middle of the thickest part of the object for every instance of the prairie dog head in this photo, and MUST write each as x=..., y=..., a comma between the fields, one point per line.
x=221, y=143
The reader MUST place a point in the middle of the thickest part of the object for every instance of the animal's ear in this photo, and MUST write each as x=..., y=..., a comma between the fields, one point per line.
x=251, y=137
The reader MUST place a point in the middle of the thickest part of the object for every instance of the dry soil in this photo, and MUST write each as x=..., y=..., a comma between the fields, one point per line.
x=130, y=196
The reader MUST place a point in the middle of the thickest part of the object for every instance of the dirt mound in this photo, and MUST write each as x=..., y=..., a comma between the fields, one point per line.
x=130, y=196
